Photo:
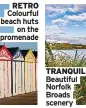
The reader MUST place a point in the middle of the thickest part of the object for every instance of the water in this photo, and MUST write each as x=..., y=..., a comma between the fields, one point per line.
x=71, y=53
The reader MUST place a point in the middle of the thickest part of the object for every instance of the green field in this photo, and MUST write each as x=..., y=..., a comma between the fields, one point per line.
x=65, y=46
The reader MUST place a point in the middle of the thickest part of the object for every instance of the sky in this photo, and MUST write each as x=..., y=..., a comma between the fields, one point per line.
x=22, y=45
x=65, y=23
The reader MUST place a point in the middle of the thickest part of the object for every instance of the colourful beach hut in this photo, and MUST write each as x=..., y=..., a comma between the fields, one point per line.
x=18, y=84
x=5, y=72
x=29, y=70
x=36, y=62
x=18, y=69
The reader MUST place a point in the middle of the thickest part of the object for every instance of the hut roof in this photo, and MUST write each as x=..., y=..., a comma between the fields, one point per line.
x=35, y=53
x=1, y=46
x=24, y=52
x=4, y=47
x=13, y=50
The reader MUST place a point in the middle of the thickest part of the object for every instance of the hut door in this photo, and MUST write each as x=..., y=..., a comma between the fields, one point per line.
x=1, y=80
x=8, y=74
x=36, y=66
x=7, y=78
x=28, y=77
x=13, y=89
x=4, y=79
x=20, y=87
x=22, y=77
x=18, y=77
x=31, y=77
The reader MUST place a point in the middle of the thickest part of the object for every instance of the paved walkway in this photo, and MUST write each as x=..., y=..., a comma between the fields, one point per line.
x=23, y=99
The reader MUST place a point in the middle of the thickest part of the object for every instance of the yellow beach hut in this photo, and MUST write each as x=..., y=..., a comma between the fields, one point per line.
x=29, y=70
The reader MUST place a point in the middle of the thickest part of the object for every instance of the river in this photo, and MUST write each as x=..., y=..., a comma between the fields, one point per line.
x=71, y=53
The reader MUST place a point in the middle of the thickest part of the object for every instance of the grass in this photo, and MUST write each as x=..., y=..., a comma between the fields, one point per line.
x=65, y=60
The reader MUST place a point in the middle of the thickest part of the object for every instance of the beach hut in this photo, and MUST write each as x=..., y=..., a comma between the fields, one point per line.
x=29, y=70
x=5, y=72
x=36, y=69
x=17, y=71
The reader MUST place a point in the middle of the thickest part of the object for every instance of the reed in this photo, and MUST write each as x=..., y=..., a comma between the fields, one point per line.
x=80, y=91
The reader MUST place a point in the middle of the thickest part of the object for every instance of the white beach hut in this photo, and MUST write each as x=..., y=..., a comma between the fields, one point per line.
x=18, y=81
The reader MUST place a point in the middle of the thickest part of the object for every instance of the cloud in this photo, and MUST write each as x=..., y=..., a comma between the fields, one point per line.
x=84, y=23
x=80, y=7
x=55, y=8
x=77, y=8
x=66, y=39
x=56, y=41
x=52, y=15
x=62, y=42
x=69, y=16
x=80, y=17
x=61, y=33
x=63, y=8
x=60, y=20
x=76, y=25
x=54, y=30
